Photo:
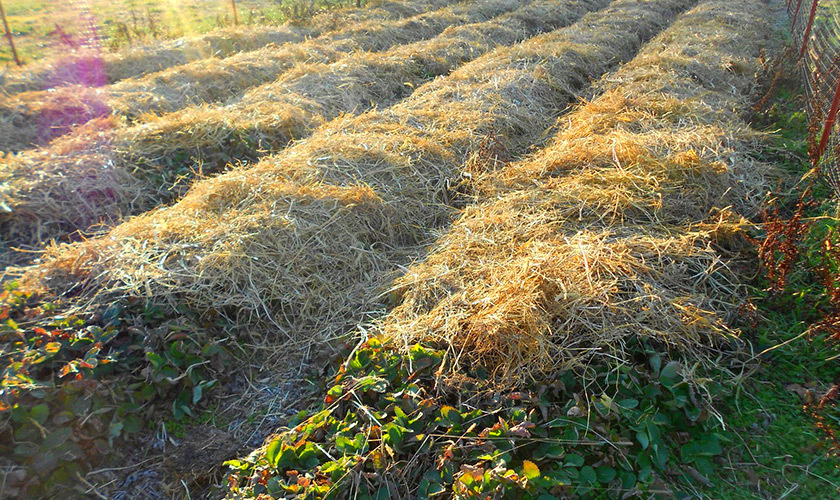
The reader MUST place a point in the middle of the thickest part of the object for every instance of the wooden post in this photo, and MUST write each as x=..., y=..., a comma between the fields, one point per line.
x=808, y=28
x=9, y=34
x=235, y=17
x=829, y=124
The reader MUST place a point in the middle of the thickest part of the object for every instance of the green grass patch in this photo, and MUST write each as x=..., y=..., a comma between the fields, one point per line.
x=778, y=450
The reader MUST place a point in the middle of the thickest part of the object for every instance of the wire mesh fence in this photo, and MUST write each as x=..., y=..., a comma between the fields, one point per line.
x=815, y=29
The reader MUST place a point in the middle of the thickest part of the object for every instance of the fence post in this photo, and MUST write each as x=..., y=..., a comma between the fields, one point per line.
x=808, y=28
x=235, y=17
x=829, y=123
x=9, y=34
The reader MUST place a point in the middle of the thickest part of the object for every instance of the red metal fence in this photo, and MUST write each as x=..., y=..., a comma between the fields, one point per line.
x=815, y=28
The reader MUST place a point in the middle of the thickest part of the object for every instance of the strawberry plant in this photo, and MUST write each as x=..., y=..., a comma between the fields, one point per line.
x=72, y=385
x=386, y=422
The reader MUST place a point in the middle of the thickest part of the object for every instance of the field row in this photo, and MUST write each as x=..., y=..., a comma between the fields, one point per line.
x=607, y=237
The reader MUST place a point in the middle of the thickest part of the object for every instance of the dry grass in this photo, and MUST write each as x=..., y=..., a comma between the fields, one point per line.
x=266, y=119
x=34, y=117
x=625, y=226
x=302, y=243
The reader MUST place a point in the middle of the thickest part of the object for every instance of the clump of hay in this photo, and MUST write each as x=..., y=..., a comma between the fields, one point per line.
x=611, y=231
x=555, y=301
x=213, y=79
x=95, y=68
x=239, y=238
x=267, y=118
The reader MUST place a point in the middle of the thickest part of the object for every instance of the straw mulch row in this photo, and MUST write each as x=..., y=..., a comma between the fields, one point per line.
x=94, y=68
x=36, y=117
x=627, y=225
x=299, y=247
x=266, y=119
